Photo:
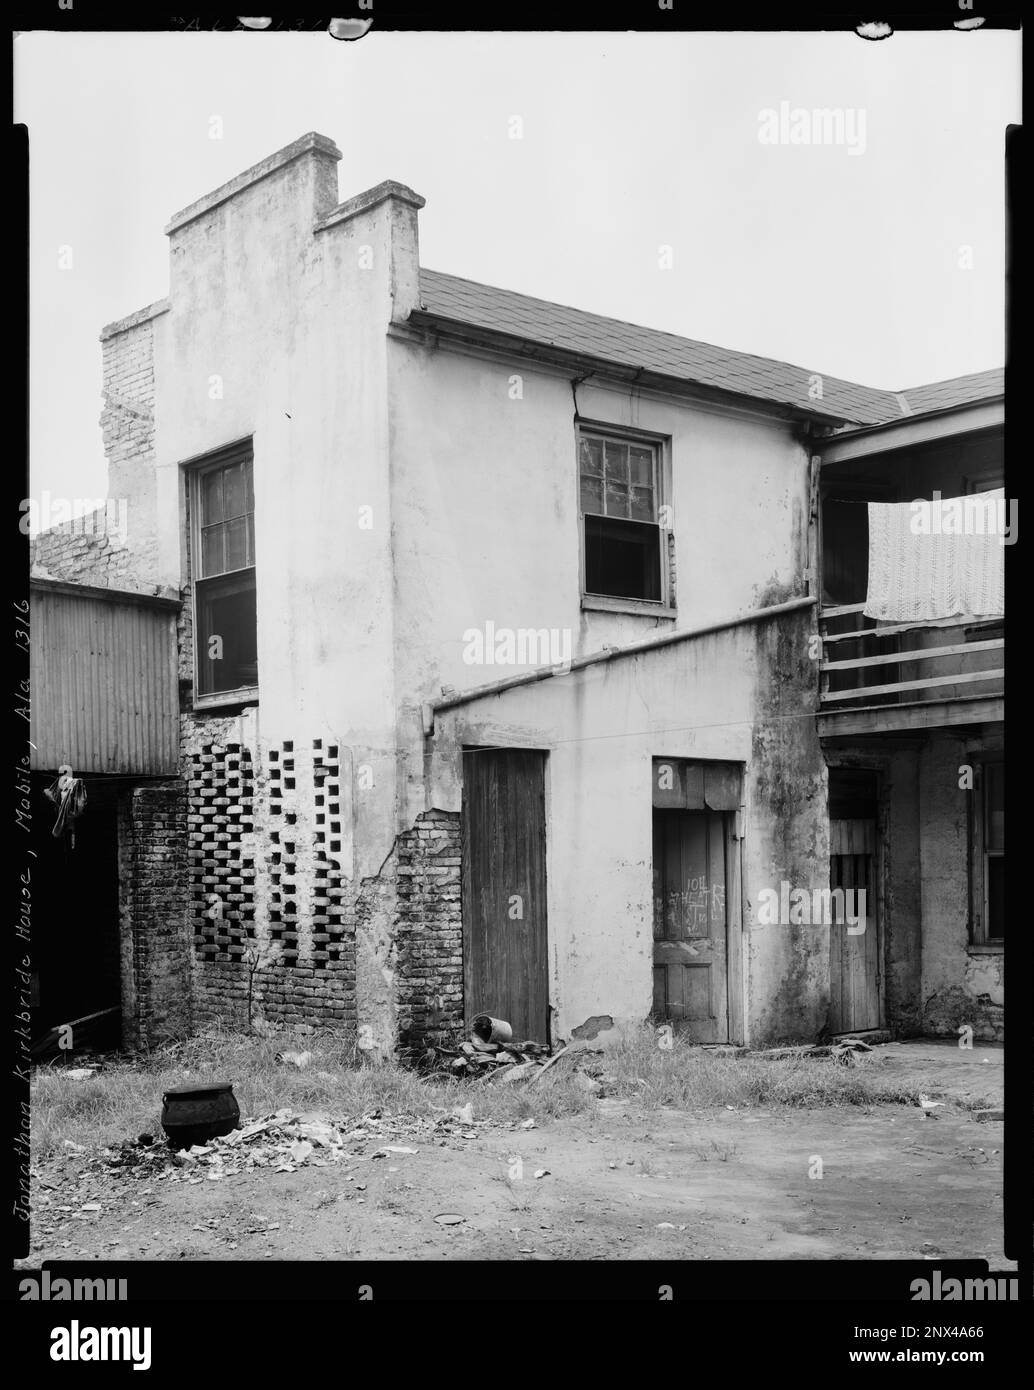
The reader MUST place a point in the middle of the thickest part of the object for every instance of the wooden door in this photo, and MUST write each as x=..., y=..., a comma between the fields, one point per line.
x=854, y=955
x=690, y=922
x=505, y=971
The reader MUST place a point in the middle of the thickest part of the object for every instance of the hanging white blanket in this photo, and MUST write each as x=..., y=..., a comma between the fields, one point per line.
x=937, y=559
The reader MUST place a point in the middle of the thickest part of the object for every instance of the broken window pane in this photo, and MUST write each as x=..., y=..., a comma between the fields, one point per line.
x=616, y=457
x=592, y=494
x=641, y=466
x=642, y=504
x=617, y=499
x=592, y=456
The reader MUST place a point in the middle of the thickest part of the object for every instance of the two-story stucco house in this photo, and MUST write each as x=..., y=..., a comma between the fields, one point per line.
x=501, y=681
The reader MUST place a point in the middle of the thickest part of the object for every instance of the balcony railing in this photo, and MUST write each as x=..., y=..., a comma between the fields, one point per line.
x=866, y=665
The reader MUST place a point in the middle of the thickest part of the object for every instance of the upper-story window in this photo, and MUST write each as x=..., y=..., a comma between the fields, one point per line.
x=223, y=565
x=621, y=480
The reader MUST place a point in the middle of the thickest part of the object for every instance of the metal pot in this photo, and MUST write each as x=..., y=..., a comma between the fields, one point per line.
x=194, y=1114
x=489, y=1029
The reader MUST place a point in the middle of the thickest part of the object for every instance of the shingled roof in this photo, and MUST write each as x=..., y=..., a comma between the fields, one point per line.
x=960, y=390
x=450, y=299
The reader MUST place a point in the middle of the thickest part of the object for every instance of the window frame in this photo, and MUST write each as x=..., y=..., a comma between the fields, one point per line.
x=980, y=854
x=664, y=606
x=196, y=470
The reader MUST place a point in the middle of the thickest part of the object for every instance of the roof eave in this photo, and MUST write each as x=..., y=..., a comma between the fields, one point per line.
x=495, y=340
x=909, y=430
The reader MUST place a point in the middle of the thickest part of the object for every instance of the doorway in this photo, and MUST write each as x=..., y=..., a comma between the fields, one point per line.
x=854, y=949
x=75, y=948
x=690, y=922
x=505, y=962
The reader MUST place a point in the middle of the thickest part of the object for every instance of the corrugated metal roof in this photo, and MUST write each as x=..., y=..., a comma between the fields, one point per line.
x=104, y=687
x=466, y=302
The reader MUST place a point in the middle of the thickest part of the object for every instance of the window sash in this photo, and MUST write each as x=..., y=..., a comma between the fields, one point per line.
x=222, y=561
x=227, y=546
x=225, y=518
x=620, y=480
x=618, y=477
x=207, y=591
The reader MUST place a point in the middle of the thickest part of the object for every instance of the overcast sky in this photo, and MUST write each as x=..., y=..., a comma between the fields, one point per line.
x=840, y=262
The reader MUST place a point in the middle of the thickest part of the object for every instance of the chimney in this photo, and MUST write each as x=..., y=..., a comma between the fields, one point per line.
x=259, y=216
x=382, y=225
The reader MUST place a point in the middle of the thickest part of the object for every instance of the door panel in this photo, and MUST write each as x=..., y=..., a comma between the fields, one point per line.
x=504, y=889
x=690, y=922
x=854, y=958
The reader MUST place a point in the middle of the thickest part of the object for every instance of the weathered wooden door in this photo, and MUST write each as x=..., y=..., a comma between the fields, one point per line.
x=690, y=922
x=505, y=970
x=854, y=980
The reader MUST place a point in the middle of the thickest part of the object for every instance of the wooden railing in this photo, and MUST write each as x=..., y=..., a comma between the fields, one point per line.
x=908, y=662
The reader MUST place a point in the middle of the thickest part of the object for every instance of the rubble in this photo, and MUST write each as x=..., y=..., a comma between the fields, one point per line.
x=491, y=1052
x=282, y=1142
x=841, y=1050
x=294, y=1059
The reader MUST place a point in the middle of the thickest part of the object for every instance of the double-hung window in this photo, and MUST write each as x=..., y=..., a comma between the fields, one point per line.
x=222, y=497
x=620, y=483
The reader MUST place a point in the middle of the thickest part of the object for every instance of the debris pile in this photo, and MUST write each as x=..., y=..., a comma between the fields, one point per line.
x=509, y=1060
x=282, y=1143
x=843, y=1051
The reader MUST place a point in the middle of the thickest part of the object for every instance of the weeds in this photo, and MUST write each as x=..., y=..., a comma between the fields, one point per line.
x=723, y=1152
x=125, y=1098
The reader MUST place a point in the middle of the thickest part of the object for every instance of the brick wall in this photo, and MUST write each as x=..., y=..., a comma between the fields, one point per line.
x=152, y=856
x=221, y=855
x=127, y=424
x=429, y=940
x=91, y=549
x=273, y=916
x=114, y=545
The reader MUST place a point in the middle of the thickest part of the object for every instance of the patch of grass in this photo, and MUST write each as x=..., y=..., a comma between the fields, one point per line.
x=690, y=1078
x=125, y=1099
x=723, y=1152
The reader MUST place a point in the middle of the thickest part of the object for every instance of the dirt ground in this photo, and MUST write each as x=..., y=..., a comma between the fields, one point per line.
x=843, y=1182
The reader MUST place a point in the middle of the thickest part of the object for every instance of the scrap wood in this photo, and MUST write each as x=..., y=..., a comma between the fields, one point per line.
x=518, y=1073
x=564, y=1052
x=803, y=1050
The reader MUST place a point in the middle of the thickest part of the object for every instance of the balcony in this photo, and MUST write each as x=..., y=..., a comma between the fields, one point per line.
x=885, y=678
